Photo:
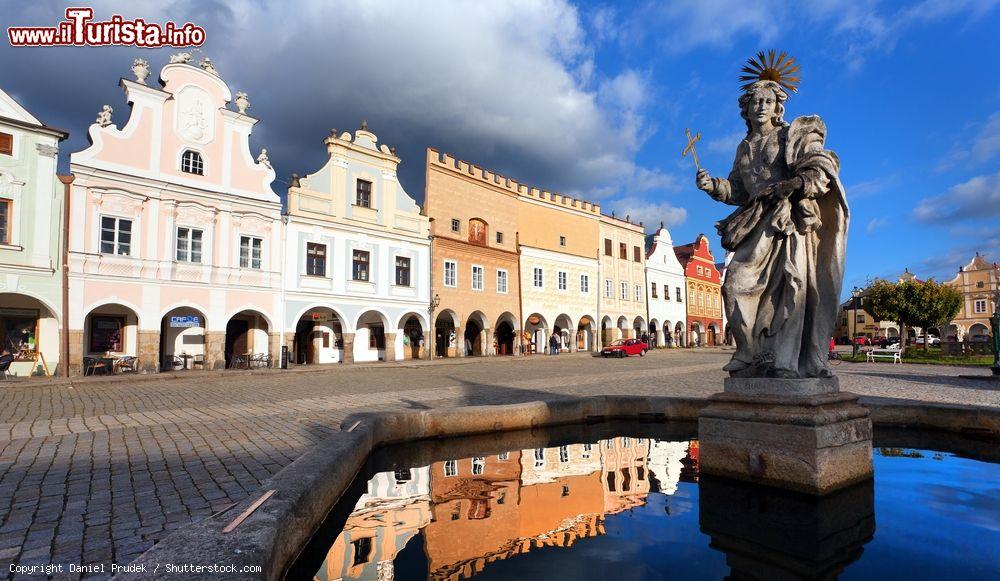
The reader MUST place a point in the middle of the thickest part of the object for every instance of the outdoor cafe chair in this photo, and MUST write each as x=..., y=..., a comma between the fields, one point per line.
x=127, y=364
x=93, y=366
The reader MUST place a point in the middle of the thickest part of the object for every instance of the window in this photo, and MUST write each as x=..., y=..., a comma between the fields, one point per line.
x=624, y=293
x=716, y=300
x=980, y=284
x=116, y=236
x=478, y=465
x=586, y=450
x=450, y=273
x=456, y=225
x=539, y=457
x=6, y=144
x=362, y=550
x=250, y=252
x=562, y=241
x=563, y=454
x=360, y=269
x=622, y=251
x=503, y=456
x=364, y=196
x=538, y=278
x=477, y=278
x=5, y=220
x=402, y=271
x=584, y=283
x=451, y=468
x=679, y=299
x=402, y=475
x=638, y=293
x=107, y=334
x=565, y=490
x=701, y=299
x=499, y=237
x=979, y=306
x=859, y=318
x=191, y=162
x=666, y=292
x=561, y=280
x=19, y=332
x=626, y=442
x=315, y=259
x=189, y=245
x=636, y=254
x=652, y=290
x=607, y=247
x=376, y=336
x=608, y=293
x=502, y=281
x=699, y=270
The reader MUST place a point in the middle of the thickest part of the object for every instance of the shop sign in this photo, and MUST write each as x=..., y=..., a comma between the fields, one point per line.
x=189, y=321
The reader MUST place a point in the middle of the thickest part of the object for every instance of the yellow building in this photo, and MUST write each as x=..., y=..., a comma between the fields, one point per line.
x=623, y=279
x=979, y=281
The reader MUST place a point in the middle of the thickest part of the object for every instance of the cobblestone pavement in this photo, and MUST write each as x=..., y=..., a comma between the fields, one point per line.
x=98, y=471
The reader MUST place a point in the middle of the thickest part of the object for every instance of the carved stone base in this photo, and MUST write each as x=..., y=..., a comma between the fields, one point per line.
x=813, y=442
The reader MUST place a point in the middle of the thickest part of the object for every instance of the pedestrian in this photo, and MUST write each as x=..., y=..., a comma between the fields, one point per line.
x=645, y=341
x=553, y=345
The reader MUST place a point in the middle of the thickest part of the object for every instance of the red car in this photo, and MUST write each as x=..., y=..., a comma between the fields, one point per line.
x=862, y=341
x=624, y=348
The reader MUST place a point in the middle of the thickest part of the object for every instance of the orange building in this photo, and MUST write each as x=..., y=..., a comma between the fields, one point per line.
x=475, y=274
x=704, y=293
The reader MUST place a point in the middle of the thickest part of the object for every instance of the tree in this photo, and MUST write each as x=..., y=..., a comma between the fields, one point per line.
x=912, y=303
x=936, y=304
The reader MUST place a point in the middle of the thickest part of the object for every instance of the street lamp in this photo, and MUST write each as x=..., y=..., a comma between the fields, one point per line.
x=856, y=293
x=435, y=303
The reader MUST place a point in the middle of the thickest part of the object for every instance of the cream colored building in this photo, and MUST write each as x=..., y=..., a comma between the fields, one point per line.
x=979, y=281
x=557, y=238
x=622, y=279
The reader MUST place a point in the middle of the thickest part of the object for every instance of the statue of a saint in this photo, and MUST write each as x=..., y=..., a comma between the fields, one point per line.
x=788, y=237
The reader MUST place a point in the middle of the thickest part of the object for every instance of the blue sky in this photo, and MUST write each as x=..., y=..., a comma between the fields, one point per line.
x=592, y=98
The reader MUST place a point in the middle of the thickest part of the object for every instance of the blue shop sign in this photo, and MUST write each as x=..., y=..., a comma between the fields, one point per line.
x=191, y=321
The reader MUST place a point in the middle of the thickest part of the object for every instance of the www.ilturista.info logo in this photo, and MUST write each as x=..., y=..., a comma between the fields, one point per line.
x=79, y=29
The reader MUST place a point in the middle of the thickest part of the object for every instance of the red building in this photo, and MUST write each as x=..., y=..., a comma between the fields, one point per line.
x=704, y=293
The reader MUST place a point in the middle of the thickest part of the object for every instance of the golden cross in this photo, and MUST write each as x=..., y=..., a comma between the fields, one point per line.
x=690, y=147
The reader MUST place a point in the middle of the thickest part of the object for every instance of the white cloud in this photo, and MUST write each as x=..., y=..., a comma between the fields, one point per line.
x=646, y=210
x=975, y=199
x=876, y=224
x=726, y=144
x=985, y=144
x=510, y=86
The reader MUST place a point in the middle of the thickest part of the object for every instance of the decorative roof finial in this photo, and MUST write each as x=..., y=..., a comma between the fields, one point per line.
x=661, y=224
x=295, y=181
x=364, y=125
x=181, y=57
x=263, y=159
x=140, y=68
x=781, y=70
x=242, y=102
x=206, y=63
x=104, y=117
x=392, y=150
x=612, y=213
x=333, y=132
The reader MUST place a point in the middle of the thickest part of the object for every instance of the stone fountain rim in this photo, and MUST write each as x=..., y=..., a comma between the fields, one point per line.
x=307, y=489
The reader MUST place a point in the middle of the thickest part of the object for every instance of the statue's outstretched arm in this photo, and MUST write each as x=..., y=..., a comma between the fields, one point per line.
x=729, y=191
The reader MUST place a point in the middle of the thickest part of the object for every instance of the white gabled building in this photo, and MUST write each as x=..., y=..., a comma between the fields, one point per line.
x=357, y=256
x=664, y=289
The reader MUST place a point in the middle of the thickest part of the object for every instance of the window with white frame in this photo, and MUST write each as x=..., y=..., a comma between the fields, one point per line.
x=501, y=281
x=450, y=273
x=363, y=196
x=402, y=271
x=477, y=278
x=562, y=280
x=6, y=209
x=624, y=291
x=251, y=251
x=478, y=465
x=456, y=225
x=451, y=468
x=189, y=244
x=679, y=298
x=608, y=289
x=116, y=236
x=701, y=299
x=539, y=457
x=638, y=293
x=315, y=259
x=979, y=306
x=586, y=450
x=666, y=292
x=538, y=278
x=652, y=290
x=584, y=283
x=360, y=260
x=191, y=162
x=563, y=454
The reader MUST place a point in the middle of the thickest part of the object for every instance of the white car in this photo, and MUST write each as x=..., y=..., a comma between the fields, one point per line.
x=932, y=340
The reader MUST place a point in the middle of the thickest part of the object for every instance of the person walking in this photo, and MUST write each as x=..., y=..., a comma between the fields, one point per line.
x=553, y=345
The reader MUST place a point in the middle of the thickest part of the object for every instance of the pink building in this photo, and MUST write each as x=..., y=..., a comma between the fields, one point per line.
x=175, y=237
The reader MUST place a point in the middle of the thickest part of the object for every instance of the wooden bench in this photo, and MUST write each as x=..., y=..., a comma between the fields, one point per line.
x=894, y=354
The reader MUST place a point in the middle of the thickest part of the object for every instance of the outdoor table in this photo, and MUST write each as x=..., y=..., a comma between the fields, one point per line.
x=185, y=357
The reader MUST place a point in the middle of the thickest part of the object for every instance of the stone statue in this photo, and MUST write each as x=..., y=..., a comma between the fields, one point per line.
x=181, y=57
x=263, y=159
x=104, y=117
x=206, y=64
x=140, y=68
x=788, y=237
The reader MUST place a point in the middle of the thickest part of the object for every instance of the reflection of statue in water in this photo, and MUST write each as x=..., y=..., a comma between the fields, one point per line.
x=788, y=237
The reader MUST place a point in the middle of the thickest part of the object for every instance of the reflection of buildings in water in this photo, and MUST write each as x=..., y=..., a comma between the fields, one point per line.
x=625, y=478
x=393, y=510
x=479, y=510
x=665, y=464
x=689, y=473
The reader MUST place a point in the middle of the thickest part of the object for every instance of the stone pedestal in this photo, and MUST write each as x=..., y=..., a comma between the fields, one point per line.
x=769, y=534
x=390, y=347
x=797, y=434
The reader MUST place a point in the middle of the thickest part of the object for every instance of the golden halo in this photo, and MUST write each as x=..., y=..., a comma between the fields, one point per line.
x=769, y=68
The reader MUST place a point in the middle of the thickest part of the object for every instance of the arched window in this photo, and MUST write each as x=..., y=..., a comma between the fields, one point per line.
x=191, y=162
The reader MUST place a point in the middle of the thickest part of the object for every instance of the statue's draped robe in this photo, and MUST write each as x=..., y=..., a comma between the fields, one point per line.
x=782, y=287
